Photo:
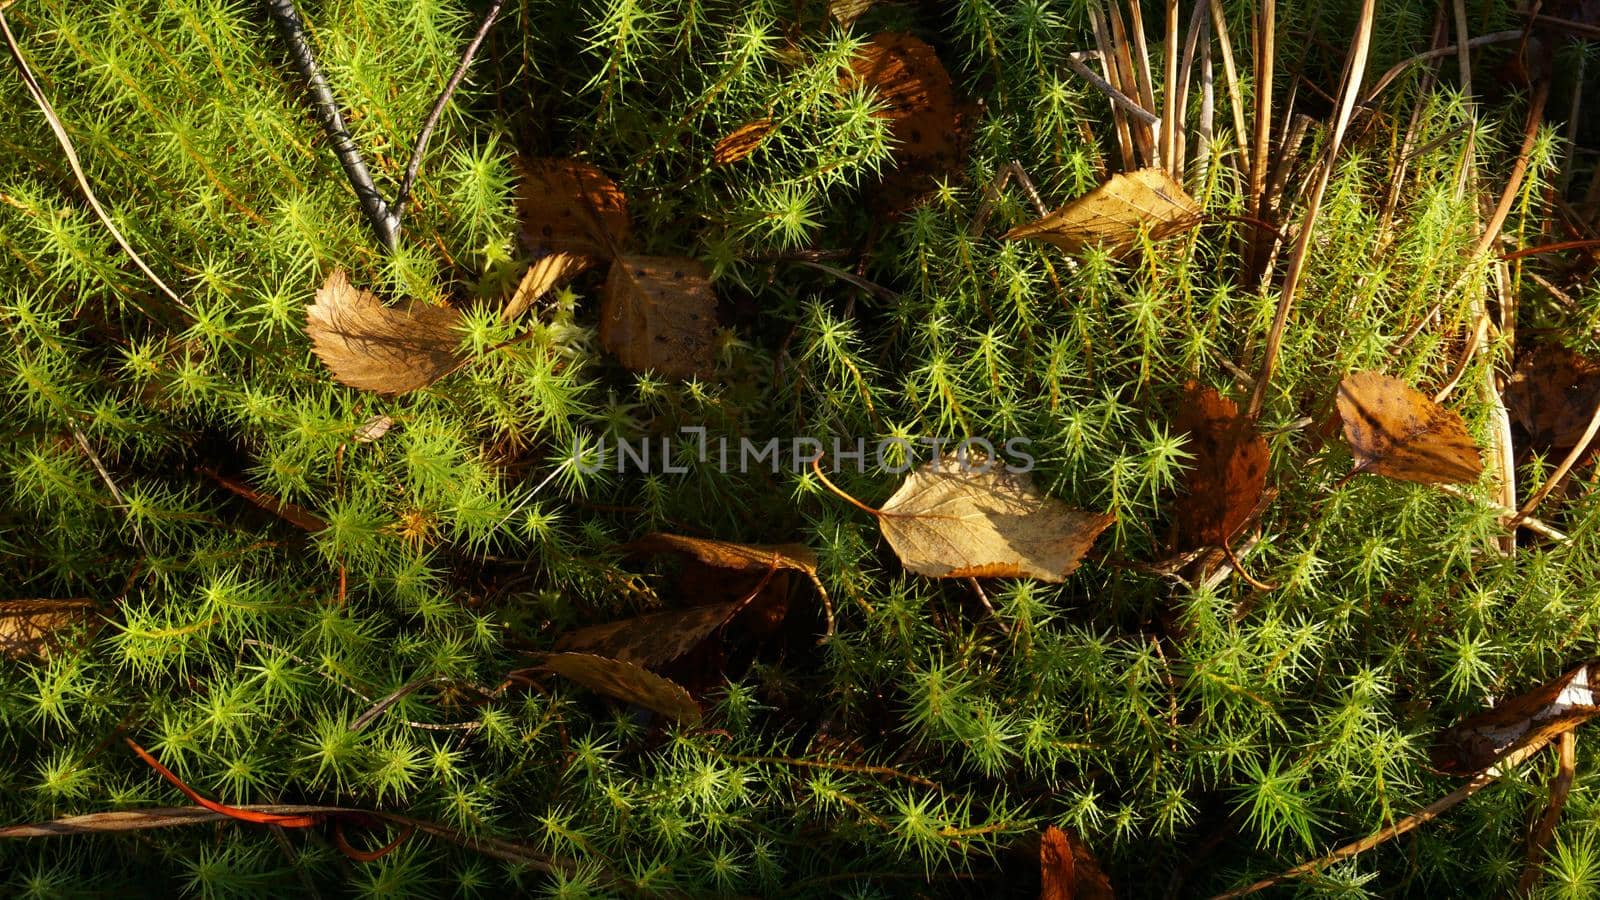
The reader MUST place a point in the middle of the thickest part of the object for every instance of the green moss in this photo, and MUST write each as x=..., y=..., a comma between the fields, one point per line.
x=1138, y=709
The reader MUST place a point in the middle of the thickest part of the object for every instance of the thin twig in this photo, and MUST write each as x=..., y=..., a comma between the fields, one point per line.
x=1170, y=139
x=1123, y=101
x=1463, y=51
x=404, y=194
x=1509, y=516
x=984, y=599
x=1560, y=786
x=37, y=93
x=1398, y=69
x=1110, y=64
x=105, y=475
x=1230, y=76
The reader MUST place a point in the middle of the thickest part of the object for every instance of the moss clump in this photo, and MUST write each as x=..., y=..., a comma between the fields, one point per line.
x=1213, y=731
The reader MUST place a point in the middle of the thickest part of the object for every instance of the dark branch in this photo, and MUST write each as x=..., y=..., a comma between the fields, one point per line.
x=385, y=221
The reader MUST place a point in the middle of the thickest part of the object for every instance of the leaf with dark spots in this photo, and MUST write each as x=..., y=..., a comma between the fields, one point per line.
x=660, y=315
x=1553, y=394
x=1229, y=470
x=919, y=102
x=1396, y=431
x=571, y=207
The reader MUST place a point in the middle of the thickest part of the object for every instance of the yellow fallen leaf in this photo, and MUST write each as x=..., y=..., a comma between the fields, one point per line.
x=1397, y=431
x=387, y=349
x=1112, y=214
x=947, y=521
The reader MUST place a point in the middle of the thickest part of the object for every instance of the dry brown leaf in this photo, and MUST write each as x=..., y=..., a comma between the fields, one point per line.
x=372, y=429
x=1068, y=869
x=1553, y=394
x=1526, y=720
x=659, y=314
x=764, y=609
x=949, y=523
x=1396, y=431
x=651, y=639
x=572, y=216
x=1113, y=214
x=919, y=102
x=567, y=206
x=741, y=142
x=380, y=348
x=293, y=513
x=728, y=555
x=846, y=12
x=544, y=274
x=32, y=629
x=621, y=680
x=1229, y=469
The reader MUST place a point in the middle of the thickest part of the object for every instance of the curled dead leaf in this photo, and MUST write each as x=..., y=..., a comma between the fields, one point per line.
x=625, y=681
x=1229, y=473
x=1396, y=431
x=1526, y=720
x=950, y=521
x=659, y=314
x=544, y=274
x=372, y=429
x=1068, y=869
x=389, y=350
x=747, y=559
x=651, y=639
x=33, y=629
x=920, y=104
x=741, y=142
x=1113, y=214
